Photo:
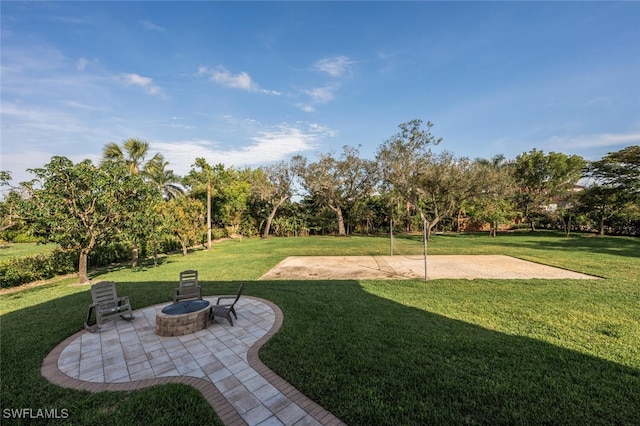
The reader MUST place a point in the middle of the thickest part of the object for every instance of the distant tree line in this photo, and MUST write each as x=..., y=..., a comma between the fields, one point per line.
x=140, y=204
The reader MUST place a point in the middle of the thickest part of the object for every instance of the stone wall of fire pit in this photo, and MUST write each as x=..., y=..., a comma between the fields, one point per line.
x=179, y=325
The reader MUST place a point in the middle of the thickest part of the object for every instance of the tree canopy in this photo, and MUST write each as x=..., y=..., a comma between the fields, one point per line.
x=80, y=205
x=542, y=177
x=142, y=204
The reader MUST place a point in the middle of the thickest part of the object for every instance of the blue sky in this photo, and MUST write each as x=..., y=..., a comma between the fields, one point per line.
x=248, y=84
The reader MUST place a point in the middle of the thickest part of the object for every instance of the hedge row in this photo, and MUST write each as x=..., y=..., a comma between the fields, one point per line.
x=21, y=270
x=16, y=271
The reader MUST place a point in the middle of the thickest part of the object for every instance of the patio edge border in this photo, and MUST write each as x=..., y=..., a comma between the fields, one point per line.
x=225, y=411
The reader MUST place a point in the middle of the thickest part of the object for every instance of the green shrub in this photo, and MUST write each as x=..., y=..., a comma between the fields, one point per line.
x=217, y=233
x=523, y=225
x=21, y=270
x=19, y=236
x=107, y=255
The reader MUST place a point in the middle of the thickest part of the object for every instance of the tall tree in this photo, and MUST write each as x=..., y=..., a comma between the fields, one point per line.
x=5, y=177
x=274, y=185
x=619, y=170
x=601, y=203
x=167, y=182
x=443, y=185
x=183, y=218
x=9, y=210
x=616, y=186
x=80, y=205
x=10, y=202
x=540, y=178
x=201, y=180
x=404, y=159
x=492, y=201
x=232, y=188
x=567, y=209
x=132, y=152
x=338, y=183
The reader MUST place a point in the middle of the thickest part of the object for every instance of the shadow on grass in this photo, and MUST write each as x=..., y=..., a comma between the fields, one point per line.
x=543, y=240
x=367, y=359
x=143, y=266
x=618, y=246
x=371, y=360
x=29, y=334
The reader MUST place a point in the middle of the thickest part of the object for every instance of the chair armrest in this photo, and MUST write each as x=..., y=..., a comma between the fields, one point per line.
x=225, y=297
x=91, y=307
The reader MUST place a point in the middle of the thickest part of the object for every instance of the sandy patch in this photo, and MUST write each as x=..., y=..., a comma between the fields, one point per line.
x=407, y=267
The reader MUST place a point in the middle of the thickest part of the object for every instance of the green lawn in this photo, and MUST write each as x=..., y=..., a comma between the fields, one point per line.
x=24, y=249
x=383, y=352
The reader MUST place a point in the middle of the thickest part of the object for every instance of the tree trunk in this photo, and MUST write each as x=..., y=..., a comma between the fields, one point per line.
x=267, y=227
x=430, y=226
x=567, y=226
x=527, y=215
x=83, y=275
x=341, y=229
x=408, y=225
x=601, y=225
x=208, y=216
x=134, y=255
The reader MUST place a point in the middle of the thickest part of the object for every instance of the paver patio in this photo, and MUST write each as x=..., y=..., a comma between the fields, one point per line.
x=221, y=361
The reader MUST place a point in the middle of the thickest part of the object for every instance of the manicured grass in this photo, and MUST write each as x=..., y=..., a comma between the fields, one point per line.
x=383, y=352
x=24, y=249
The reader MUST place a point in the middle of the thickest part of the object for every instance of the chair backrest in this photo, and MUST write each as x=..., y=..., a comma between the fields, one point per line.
x=188, y=281
x=239, y=293
x=104, y=293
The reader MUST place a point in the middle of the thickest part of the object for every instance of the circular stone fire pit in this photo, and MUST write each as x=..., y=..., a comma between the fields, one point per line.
x=182, y=318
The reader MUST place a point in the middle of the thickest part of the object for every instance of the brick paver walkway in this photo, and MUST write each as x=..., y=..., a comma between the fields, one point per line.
x=220, y=361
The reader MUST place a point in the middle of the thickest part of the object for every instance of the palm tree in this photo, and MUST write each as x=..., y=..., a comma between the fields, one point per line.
x=201, y=180
x=167, y=182
x=133, y=154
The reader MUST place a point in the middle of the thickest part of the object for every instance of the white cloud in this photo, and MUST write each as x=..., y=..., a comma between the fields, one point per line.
x=151, y=26
x=322, y=95
x=336, y=66
x=137, y=80
x=318, y=96
x=242, y=81
x=264, y=147
x=305, y=107
x=19, y=163
x=83, y=106
x=82, y=64
x=595, y=141
x=32, y=58
x=145, y=82
x=37, y=122
x=43, y=133
x=65, y=19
